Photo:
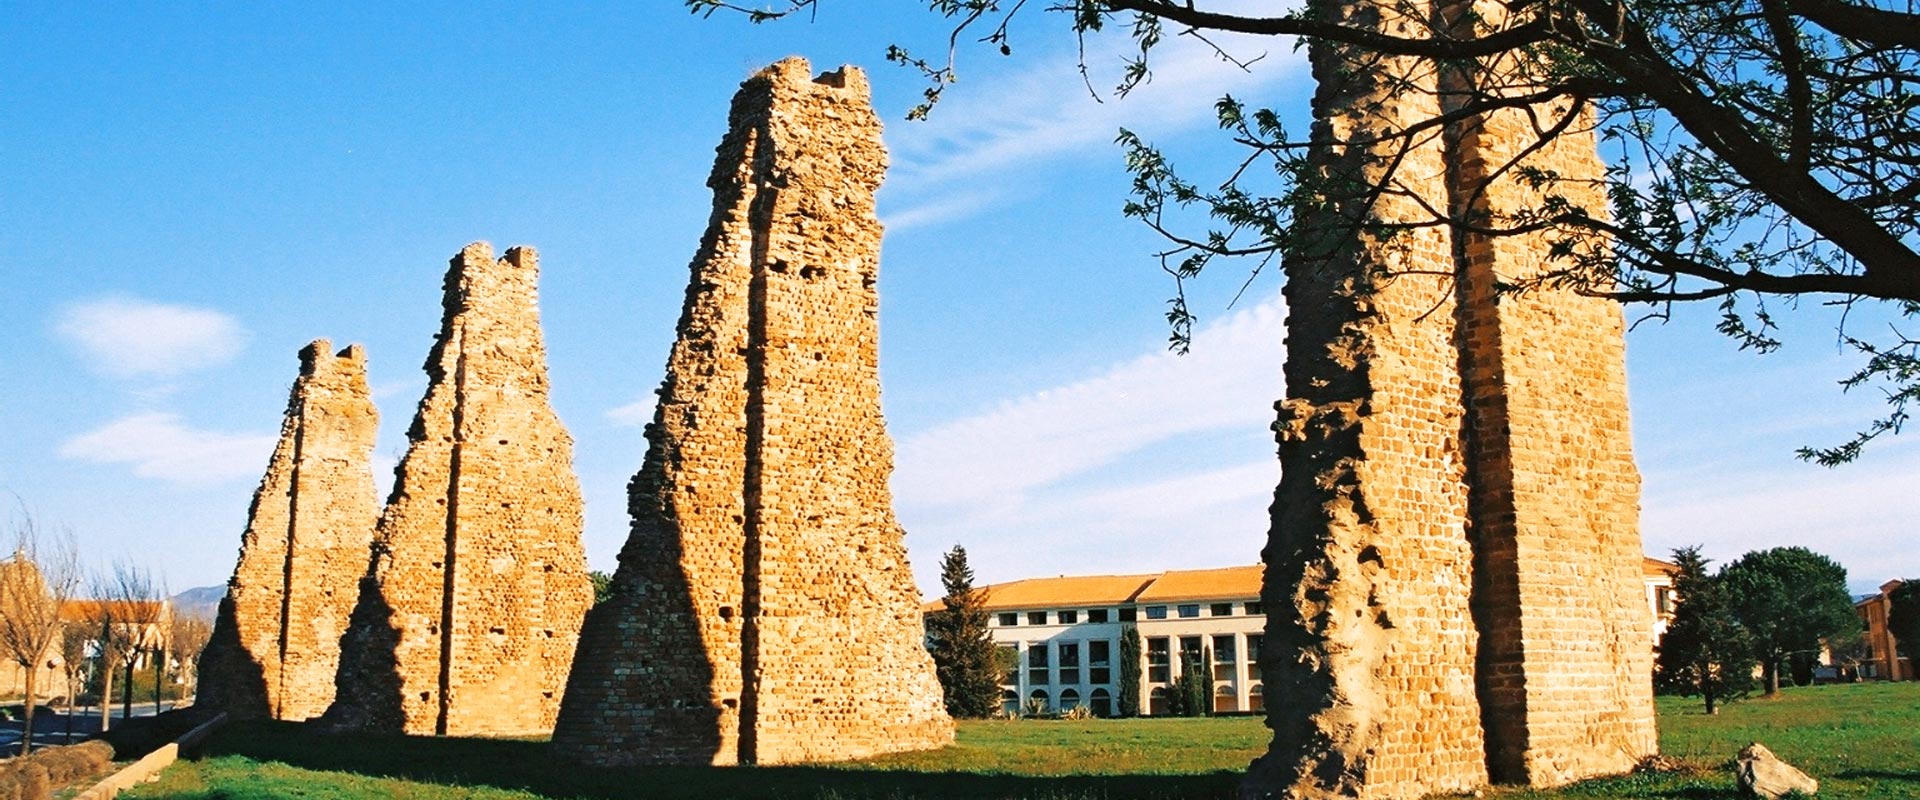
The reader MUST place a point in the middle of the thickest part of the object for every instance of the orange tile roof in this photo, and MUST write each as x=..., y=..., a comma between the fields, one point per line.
x=1654, y=568
x=1204, y=584
x=1078, y=590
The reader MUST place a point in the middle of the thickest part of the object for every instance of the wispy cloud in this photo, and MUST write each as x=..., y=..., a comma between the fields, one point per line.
x=984, y=132
x=127, y=337
x=632, y=415
x=163, y=447
x=1229, y=381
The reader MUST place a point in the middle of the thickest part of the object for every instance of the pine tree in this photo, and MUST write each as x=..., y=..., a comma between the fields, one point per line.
x=1192, y=694
x=964, y=655
x=1706, y=651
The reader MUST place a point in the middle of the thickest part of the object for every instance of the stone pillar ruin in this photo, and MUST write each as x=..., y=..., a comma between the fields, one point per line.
x=471, y=606
x=1450, y=581
x=763, y=611
x=276, y=641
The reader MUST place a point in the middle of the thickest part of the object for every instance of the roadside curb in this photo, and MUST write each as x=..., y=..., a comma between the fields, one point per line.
x=150, y=765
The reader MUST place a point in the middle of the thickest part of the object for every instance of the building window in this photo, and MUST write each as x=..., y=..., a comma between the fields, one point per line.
x=1223, y=657
x=1069, y=699
x=1010, y=657
x=1069, y=664
x=1129, y=614
x=1221, y=610
x=1253, y=656
x=1010, y=702
x=1037, y=702
x=1663, y=600
x=1096, y=615
x=1157, y=701
x=1102, y=703
x=1100, y=661
x=1256, y=699
x=1224, y=700
x=1068, y=617
x=1157, y=659
x=1036, y=618
x=1156, y=612
x=1037, y=664
x=1189, y=610
x=1009, y=619
x=1254, y=609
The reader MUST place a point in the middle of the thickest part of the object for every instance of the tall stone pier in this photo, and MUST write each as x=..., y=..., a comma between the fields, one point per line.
x=1451, y=582
x=471, y=605
x=276, y=641
x=763, y=611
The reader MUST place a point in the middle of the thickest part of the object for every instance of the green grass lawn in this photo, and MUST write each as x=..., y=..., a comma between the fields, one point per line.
x=1861, y=741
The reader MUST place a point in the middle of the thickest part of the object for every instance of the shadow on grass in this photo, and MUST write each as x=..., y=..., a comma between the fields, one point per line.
x=530, y=766
x=1906, y=776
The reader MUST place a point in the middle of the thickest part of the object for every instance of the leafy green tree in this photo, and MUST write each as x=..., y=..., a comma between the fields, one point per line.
x=964, y=655
x=1129, y=671
x=1757, y=151
x=1705, y=651
x=1789, y=598
x=1903, y=619
x=602, y=585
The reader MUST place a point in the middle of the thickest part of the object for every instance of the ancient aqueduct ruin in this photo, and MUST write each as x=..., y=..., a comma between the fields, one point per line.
x=1452, y=571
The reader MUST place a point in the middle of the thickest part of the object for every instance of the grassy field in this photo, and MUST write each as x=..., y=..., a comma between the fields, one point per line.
x=1861, y=741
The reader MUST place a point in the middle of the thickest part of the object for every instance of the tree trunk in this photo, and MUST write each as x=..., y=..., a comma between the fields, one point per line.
x=126, y=695
x=159, y=676
x=106, y=693
x=1770, y=671
x=1711, y=708
x=26, y=735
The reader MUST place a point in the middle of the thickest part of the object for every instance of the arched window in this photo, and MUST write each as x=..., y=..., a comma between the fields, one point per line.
x=1255, y=699
x=1069, y=699
x=1037, y=702
x=1157, y=701
x=1101, y=703
x=1224, y=700
x=1010, y=702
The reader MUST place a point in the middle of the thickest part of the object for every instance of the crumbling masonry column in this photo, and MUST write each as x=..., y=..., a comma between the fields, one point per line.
x=276, y=641
x=1450, y=581
x=764, y=611
x=471, y=605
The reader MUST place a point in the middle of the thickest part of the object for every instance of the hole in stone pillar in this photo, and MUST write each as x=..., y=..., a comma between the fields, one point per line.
x=730, y=703
x=547, y=568
x=1371, y=554
x=426, y=697
x=866, y=281
x=547, y=632
x=726, y=613
x=819, y=356
x=503, y=441
x=819, y=701
x=737, y=519
x=778, y=266
x=811, y=272
x=547, y=694
x=506, y=505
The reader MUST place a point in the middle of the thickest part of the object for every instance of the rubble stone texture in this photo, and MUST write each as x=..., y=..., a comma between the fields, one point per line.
x=1451, y=581
x=276, y=642
x=468, y=617
x=763, y=611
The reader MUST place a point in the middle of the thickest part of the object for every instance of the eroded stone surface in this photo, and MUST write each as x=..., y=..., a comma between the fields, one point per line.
x=276, y=641
x=468, y=618
x=1760, y=773
x=763, y=611
x=1450, y=581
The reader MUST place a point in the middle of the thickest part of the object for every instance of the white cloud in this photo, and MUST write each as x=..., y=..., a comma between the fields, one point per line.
x=632, y=415
x=983, y=131
x=127, y=337
x=160, y=446
x=1228, y=382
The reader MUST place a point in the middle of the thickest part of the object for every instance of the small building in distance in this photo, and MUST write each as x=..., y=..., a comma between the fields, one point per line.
x=1064, y=635
x=1888, y=658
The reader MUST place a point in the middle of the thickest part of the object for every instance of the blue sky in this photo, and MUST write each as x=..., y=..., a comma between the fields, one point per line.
x=189, y=195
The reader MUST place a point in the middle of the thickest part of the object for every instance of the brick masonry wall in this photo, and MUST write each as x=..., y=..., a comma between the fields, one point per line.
x=1451, y=569
x=764, y=611
x=276, y=642
x=467, y=623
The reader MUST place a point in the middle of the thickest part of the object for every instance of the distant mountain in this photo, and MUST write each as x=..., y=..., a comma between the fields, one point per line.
x=203, y=602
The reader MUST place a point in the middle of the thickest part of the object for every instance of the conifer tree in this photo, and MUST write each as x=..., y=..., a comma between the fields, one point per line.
x=1130, y=672
x=963, y=651
x=1706, y=651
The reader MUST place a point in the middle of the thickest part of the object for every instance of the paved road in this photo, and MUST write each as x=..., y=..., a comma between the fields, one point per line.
x=52, y=725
